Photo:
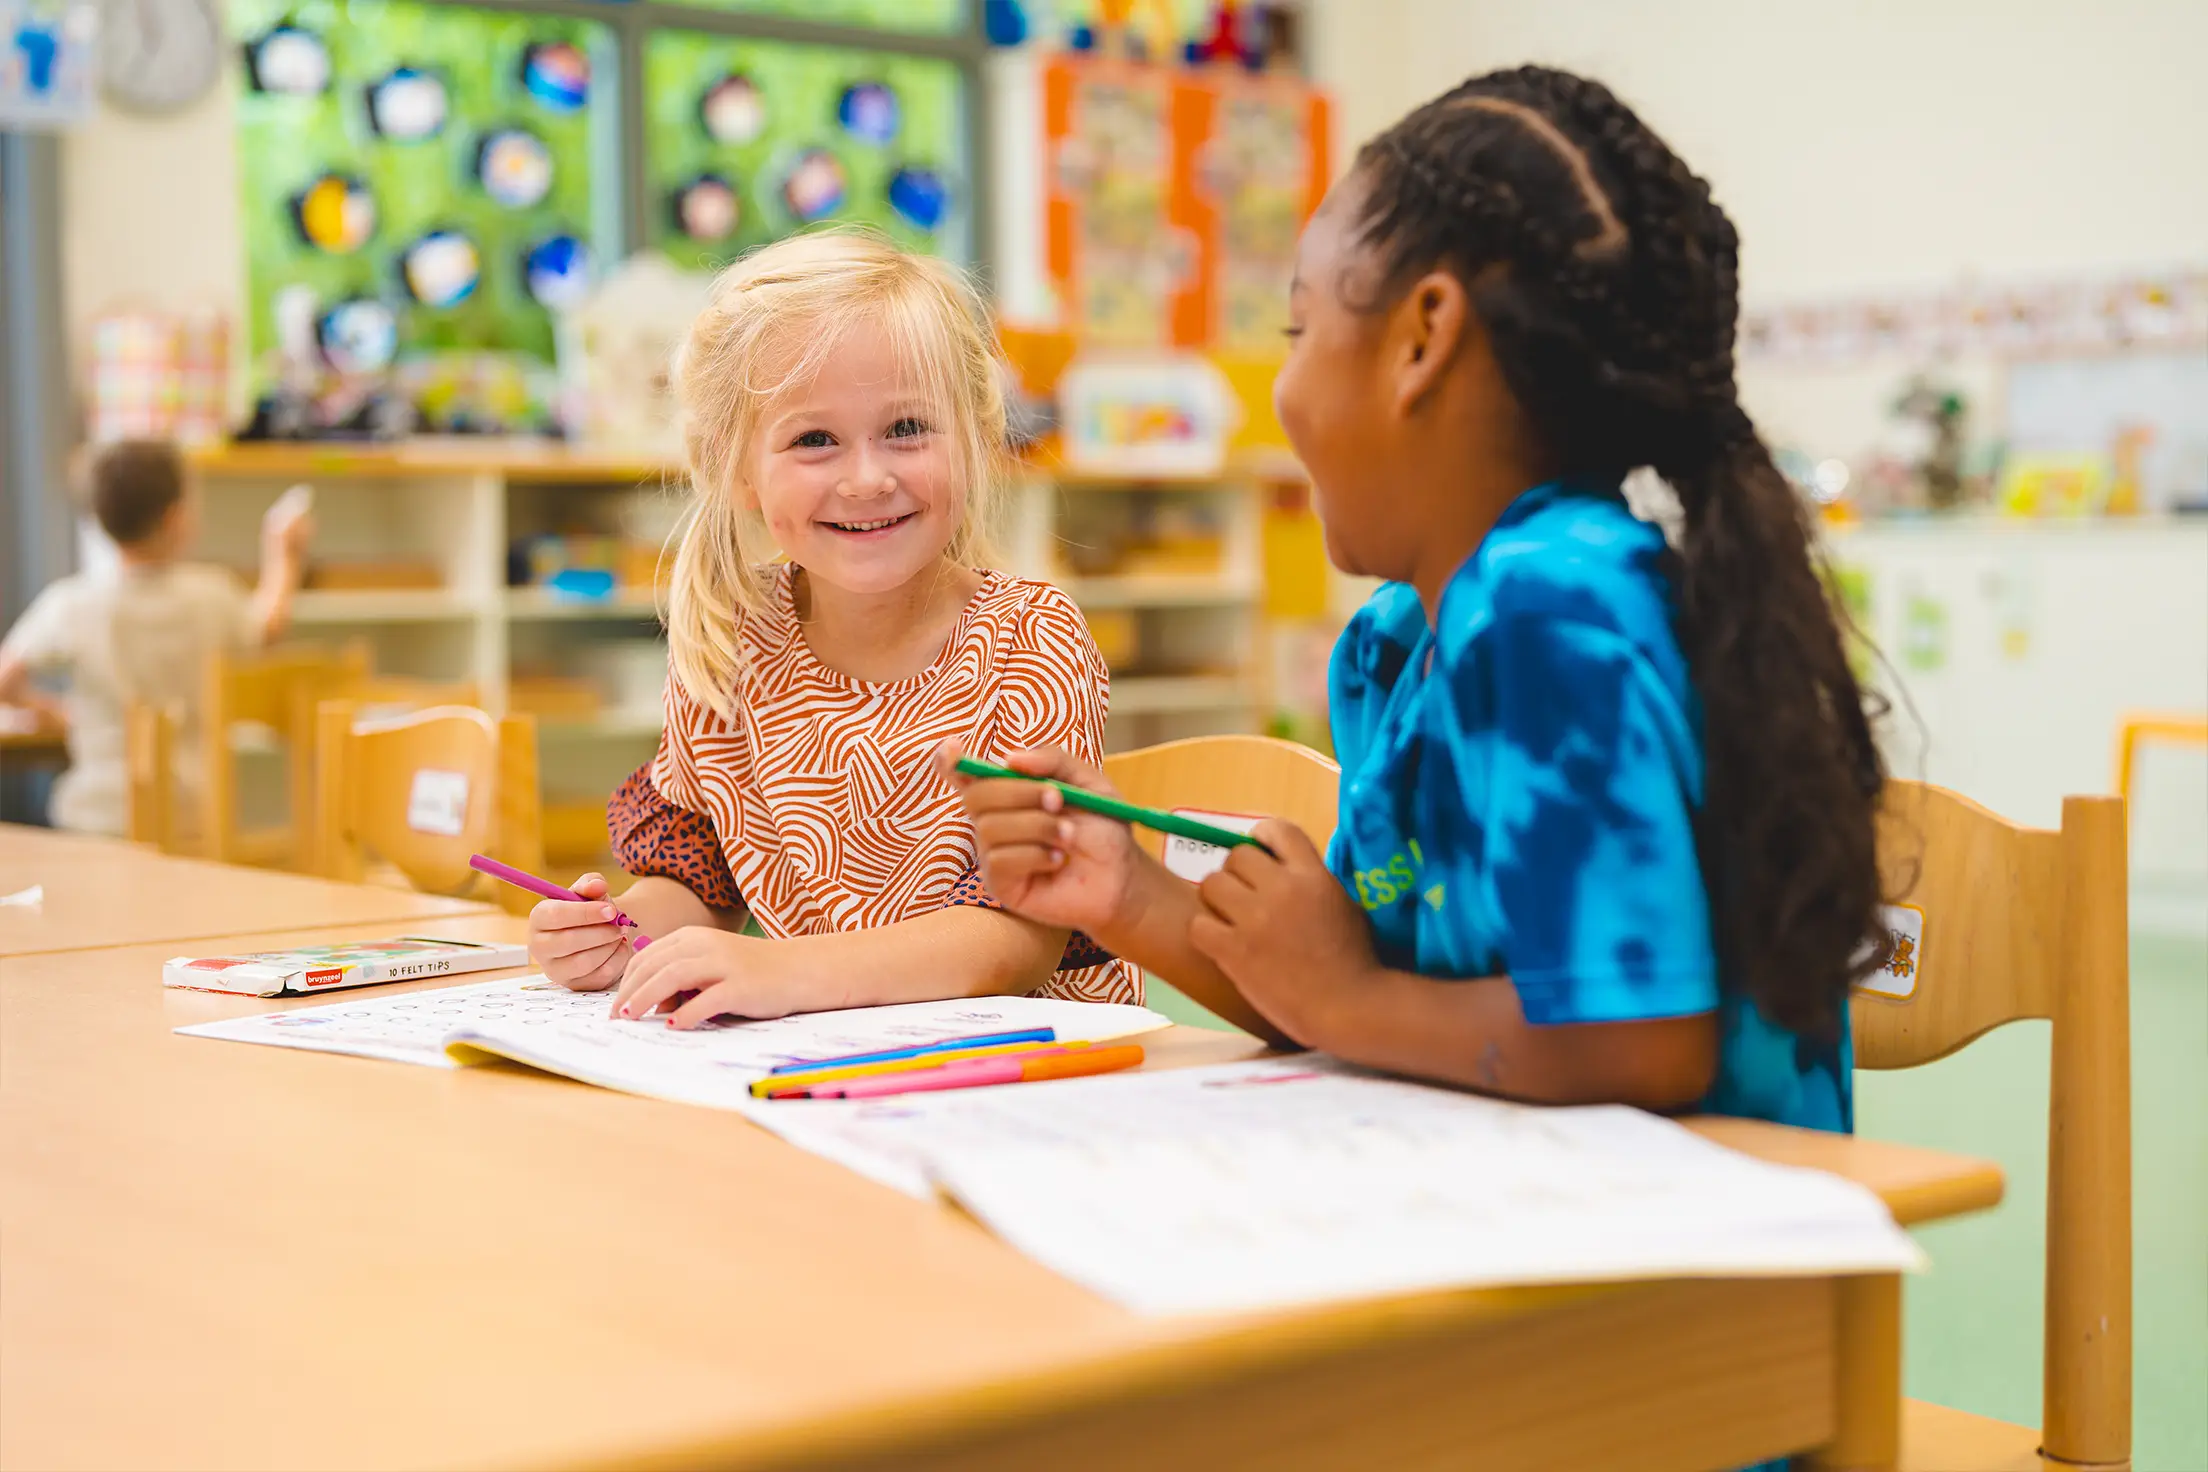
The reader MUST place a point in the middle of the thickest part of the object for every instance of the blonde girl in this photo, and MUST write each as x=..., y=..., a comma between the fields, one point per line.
x=832, y=622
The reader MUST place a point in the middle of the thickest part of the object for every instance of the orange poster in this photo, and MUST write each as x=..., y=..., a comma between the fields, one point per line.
x=1110, y=247
x=1250, y=165
x=1174, y=201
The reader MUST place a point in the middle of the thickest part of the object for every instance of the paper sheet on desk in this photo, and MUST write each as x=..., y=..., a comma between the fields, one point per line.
x=541, y=1023
x=1260, y=1185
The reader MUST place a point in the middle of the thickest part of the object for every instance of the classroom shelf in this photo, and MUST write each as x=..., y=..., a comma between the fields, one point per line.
x=1162, y=592
x=382, y=606
x=459, y=505
x=537, y=603
x=1161, y=694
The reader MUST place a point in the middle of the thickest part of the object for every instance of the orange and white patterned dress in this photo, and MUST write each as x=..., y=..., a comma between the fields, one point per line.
x=820, y=798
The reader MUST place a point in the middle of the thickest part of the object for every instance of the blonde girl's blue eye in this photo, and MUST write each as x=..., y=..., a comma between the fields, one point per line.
x=908, y=427
x=813, y=439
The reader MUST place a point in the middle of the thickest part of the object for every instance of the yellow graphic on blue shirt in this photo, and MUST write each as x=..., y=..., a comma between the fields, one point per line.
x=1520, y=784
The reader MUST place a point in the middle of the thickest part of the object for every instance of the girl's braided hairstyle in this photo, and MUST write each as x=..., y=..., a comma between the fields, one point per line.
x=1607, y=280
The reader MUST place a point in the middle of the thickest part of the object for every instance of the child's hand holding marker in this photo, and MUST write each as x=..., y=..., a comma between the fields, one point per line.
x=580, y=943
x=1042, y=858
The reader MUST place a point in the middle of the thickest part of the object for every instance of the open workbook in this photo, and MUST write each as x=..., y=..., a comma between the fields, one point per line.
x=1243, y=1186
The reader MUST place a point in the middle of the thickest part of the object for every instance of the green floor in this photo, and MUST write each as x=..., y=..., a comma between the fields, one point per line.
x=1973, y=1321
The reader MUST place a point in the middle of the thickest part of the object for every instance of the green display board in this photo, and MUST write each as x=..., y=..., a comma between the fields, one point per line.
x=289, y=139
x=933, y=17
x=802, y=103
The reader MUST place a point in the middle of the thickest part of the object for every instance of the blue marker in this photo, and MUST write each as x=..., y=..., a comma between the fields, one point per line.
x=948, y=1045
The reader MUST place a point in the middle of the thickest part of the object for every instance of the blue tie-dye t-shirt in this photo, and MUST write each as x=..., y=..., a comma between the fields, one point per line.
x=1519, y=789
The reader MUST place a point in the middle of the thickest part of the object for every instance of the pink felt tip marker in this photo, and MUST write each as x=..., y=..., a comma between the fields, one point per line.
x=523, y=879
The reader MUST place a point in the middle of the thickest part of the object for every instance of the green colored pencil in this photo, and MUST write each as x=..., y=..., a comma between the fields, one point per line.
x=1124, y=812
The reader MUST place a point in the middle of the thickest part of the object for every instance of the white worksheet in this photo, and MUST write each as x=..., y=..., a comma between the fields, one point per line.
x=1260, y=1185
x=541, y=1023
x=411, y=1027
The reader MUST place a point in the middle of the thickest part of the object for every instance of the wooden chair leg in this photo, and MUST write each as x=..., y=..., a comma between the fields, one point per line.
x=2087, y=1391
x=1868, y=1435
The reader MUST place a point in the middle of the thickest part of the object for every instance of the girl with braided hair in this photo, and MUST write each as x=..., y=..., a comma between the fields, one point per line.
x=1606, y=825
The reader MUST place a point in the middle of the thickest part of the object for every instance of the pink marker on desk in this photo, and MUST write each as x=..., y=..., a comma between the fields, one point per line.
x=523, y=879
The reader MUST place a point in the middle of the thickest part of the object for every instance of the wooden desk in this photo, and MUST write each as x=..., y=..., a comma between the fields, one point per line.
x=219, y=1255
x=105, y=892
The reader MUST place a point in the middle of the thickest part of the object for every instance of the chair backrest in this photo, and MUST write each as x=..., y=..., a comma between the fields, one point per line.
x=423, y=792
x=149, y=755
x=267, y=687
x=351, y=677
x=1231, y=774
x=2021, y=922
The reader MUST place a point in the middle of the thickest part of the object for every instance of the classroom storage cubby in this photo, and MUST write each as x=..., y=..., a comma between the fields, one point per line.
x=529, y=570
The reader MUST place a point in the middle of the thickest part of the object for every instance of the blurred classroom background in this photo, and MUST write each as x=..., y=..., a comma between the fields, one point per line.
x=429, y=257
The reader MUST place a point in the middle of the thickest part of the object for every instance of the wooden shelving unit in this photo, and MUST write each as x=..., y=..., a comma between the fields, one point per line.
x=459, y=506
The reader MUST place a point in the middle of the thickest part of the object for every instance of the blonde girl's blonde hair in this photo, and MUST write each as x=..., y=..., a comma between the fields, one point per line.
x=775, y=317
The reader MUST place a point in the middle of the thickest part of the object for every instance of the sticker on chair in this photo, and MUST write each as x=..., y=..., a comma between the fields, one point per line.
x=1193, y=859
x=438, y=803
x=1905, y=933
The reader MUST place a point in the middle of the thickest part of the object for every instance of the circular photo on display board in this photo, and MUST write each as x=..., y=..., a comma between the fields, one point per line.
x=557, y=271
x=919, y=197
x=289, y=60
x=556, y=74
x=514, y=167
x=335, y=213
x=733, y=111
x=407, y=106
x=706, y=208
x=358, y=335
x=441, y=269
x=868, y=112
x=815, y=187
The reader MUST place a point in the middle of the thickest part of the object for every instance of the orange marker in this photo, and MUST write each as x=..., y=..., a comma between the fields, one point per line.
x=980, y=1073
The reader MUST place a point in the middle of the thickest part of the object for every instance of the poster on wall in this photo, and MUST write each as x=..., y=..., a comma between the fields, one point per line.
x=1175, y=199
x=1117, y=253
x=1250, y=168
x=747, y=141
x=47, y=62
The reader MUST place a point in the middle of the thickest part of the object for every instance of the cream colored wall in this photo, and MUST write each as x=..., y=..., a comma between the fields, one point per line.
x=149, y=213
x=1870, y=144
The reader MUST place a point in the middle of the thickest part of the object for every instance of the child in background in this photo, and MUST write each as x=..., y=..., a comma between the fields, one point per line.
x=142, y=630
x=1606, y=827
x=842, y=404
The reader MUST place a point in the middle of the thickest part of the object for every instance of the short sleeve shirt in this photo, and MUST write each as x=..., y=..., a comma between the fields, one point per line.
x=822, y=790
x=123, y=635
x=1521, y=782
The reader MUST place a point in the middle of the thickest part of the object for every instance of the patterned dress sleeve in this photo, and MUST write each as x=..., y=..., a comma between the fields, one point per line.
x=1056, y=692
x=655, y=819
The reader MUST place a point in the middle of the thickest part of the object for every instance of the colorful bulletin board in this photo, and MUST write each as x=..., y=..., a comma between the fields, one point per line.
x=918, y=17
x=746, y=141
x=1174, y=200
x=426, y=159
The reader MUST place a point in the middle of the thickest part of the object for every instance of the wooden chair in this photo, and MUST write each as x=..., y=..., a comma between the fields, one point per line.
x=423, y=792
x=351, y=677
x=2021, y=922
x=265, y=688
x=149, y=756
x=1231, y=774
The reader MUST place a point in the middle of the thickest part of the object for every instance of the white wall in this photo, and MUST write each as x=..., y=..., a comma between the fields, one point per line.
x=149, y=214
x=1867, y=144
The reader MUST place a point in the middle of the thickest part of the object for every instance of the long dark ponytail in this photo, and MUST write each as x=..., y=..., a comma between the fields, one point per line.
x=1607, y=280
